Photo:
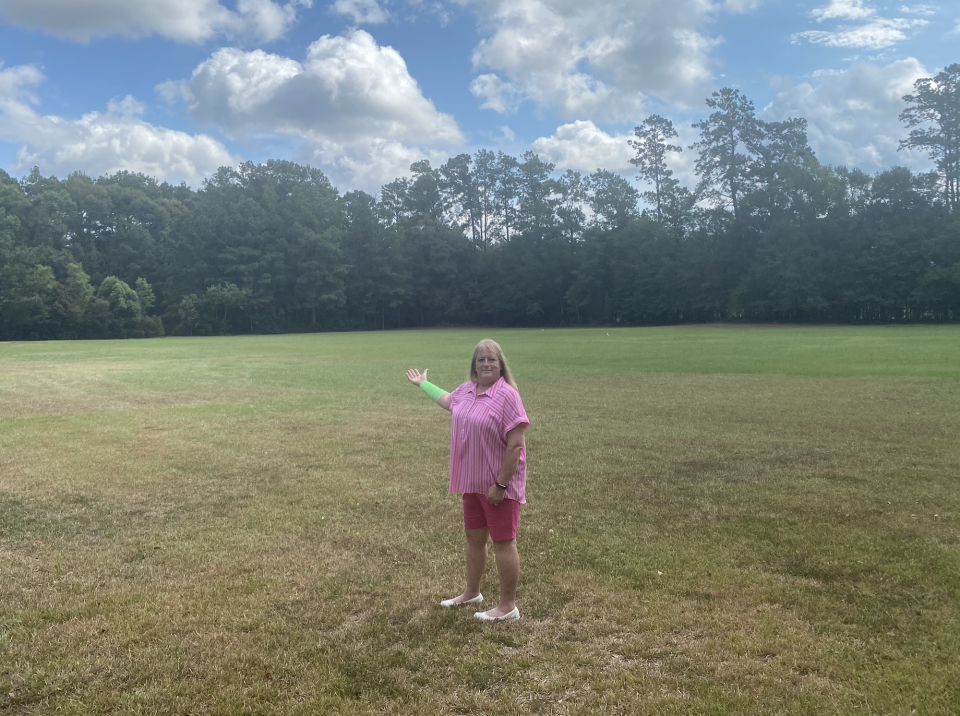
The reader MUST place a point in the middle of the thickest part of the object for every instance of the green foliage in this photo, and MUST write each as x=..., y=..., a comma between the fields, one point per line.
x=223, y=299
x=188, y=315
x=769, y=234
x=613, y=200
x=27, y=293
x=934, y=116
x=651, y=146
x=127, y=316
x=726, y=137
x=145, y=294
x=76, y=302
x=124, y=303
x=220, y=307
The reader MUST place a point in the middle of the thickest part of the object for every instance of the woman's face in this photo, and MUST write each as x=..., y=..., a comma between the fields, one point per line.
x=487, y=366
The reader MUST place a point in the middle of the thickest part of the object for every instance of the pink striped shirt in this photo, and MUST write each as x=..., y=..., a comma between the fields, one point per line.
x=478, y=438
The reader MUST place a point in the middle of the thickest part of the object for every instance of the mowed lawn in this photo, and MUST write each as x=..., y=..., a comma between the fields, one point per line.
x=721, y=520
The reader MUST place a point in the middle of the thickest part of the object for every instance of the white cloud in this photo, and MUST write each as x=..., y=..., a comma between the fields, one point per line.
x=232, y=86
x=925, y=10
x=267, y=19
x=584, y=147
x=100, y=143
x=741, y=6
x=348, y=88
x=181, y=20
x=594, y=59
x=353, y=104
x=366, y=164
x=500, y=96
x=15, y=80
x=875, y=35
x=361, y=11
x=817, y=74
x=129, y=106
x=853, y=115
x=843, y=9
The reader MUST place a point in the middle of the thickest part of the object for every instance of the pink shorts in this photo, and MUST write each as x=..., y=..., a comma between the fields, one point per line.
x=501, y=520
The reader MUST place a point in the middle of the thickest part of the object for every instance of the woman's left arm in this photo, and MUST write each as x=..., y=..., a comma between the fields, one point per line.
x=511, y=459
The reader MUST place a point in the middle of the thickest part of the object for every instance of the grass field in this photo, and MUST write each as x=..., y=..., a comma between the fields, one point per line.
x=720, y=520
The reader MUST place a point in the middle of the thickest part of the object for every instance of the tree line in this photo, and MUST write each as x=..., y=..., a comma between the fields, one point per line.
x=768, y=234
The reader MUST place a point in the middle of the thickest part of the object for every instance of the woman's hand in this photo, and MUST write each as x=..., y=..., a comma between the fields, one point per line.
x=511, y=458
x=414, y=376
x=495, y=495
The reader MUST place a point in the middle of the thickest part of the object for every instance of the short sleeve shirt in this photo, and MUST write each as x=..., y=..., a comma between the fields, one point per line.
x=478, y=438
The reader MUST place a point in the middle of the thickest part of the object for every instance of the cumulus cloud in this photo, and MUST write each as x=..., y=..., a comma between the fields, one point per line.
x=352, y=103
x=500, y=96
x=853, y=115
x=594, y=59
x=366, y=164
x=843, y=9
x=584, y=147
x=100, y=143
x=740, y=6
x=14, y=82
x=361, y=11
x=348, y=88
x=127, y=107
x=875, y=35
x=181, y=20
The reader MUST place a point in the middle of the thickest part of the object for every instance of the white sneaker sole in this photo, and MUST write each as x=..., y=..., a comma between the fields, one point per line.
x=446, y=603
x=508, y=617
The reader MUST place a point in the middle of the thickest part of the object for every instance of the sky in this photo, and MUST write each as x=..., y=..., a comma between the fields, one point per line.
x=363, y=88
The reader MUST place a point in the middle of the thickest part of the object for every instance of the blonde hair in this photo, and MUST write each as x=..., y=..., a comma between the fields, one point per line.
x=494, y=347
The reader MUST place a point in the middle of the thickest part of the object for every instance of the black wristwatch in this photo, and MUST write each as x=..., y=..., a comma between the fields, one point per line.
x=502, y=487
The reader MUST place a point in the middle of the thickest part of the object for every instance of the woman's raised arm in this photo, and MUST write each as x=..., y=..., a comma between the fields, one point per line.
x=441, y=397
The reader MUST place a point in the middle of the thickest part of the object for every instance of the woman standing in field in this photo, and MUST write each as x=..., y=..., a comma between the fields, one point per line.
x=488, y=465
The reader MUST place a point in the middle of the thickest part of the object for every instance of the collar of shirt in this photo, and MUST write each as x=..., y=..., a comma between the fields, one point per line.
x=490, y=392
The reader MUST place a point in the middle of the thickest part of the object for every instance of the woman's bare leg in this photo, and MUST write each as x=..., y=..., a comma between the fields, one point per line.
x=508, y=570
x=476, y=561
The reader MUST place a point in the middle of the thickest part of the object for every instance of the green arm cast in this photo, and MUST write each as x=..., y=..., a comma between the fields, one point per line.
x=433, y=391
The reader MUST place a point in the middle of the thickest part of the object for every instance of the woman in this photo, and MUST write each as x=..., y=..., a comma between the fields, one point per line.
x=488, y=464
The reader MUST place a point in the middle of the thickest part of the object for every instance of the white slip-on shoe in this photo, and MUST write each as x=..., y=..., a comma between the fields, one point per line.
x=508, y=617
x=450, y=603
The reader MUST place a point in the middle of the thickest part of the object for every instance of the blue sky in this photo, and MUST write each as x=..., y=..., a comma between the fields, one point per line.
x=362, y=88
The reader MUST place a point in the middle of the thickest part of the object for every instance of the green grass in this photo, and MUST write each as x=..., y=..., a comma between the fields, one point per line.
x=721, y=520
